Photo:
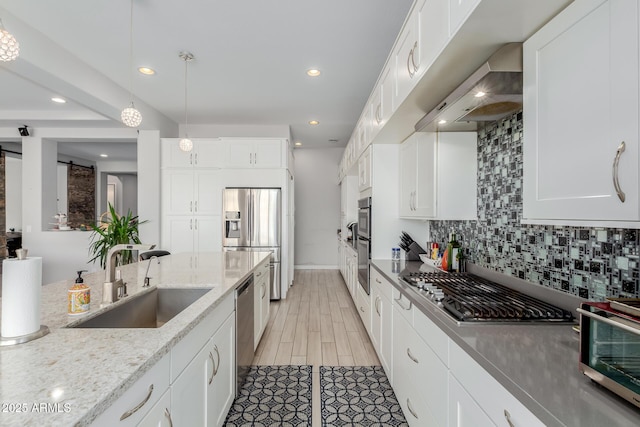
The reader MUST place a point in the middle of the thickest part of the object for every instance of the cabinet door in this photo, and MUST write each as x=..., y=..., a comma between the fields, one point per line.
x=257, y=309
x=239, y=153
x=407, y=61
x=160, y=414
x=385, y=337
x=580, y=106
x=208, y=153
x=460, y=10
x=177, y=233
x=188, y=393
x=364, y=170
x=207, y=233
x=388, y=89
x=376, y=319
x=177, y=192
x=375, y=112
x=268, y=153
x=463, y=410
x=433, y=25
x=221, y=373
x=408, y=176
x=265, y=311
x=424, y=203
x=208, y=192
x=457, y=171
x=172, y=156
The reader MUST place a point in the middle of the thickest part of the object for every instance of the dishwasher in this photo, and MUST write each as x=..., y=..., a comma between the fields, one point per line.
x=244, y=331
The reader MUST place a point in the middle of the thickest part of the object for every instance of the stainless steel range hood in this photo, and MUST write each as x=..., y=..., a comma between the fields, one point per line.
x=499, y=78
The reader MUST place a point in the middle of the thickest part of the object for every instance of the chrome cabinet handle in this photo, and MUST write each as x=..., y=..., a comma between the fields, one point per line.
x=196, y=222
x=616, y=182
x=361, y=309
x=609, y=321
x=196, y=205
x=413, y=60
x=264, y=294
x=408, y=308
x=411, y=356
x=138, y=406
x=409, y=65
x=191, y=206
x=507, y=415
x=377, y=301
x=191, y=224
x=378, y=280
x=255, y=158
x=378, y=115
x=196, y=157
x=216, y=367
x=259, y=274
x=191, y=158
x=411, y=409
x=213, y=371
x=168, y=415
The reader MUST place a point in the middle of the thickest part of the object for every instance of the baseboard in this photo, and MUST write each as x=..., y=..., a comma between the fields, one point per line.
x=315, y=267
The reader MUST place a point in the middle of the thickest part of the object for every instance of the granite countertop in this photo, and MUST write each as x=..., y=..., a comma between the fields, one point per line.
x=80, y=372
x=538, y=364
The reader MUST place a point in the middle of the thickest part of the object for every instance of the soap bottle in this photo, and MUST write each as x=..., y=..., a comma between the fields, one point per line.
x=79, y=296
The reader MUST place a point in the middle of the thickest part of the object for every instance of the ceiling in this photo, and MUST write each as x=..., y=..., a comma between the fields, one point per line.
x=250, y=65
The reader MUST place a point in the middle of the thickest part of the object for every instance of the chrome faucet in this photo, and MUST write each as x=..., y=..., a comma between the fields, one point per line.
x=112, y=284
x=146, y=274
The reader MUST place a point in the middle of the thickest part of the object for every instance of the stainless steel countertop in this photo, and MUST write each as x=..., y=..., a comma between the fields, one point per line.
x=538, y=363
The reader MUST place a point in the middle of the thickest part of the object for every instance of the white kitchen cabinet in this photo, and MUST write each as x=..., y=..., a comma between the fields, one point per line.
x=406, y=59
x=189, y=392
x=160, y=414
x=139, y=399
x=182, y=233
x=375, y=111
x=438, y=176
x=206, y=153
x=221, y=373
x=419, y=376
x=387, y=81
x=364, y=170
x=581, y=85
x=363, y=304
x=433, y=27
x=261, y=297
x=500, y=405
x=459, y=12
x=254, y=153
x=463, y=410
x=417, y=176
x=381, y=323
x=191, y=192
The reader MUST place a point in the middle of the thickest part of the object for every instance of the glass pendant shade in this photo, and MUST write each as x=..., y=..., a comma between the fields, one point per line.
x=131, y=117
x=185, y=144
x=9, y=47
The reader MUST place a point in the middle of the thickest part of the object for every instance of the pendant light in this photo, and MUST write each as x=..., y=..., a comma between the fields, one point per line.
x=130, y=116
x=9, y=47
x=185, y=143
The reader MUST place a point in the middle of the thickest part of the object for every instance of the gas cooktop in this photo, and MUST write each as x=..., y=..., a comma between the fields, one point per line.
x=469, y=298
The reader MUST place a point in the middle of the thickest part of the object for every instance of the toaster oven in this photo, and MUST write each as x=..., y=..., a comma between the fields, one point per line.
x=610, y=347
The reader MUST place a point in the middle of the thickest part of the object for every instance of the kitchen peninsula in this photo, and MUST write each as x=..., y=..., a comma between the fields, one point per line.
x=72, y=375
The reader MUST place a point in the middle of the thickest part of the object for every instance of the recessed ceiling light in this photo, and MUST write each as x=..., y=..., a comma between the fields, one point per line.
x=313, y=72
x=58, y=100
x=298, y=144
x=441, y=122
x=314, y=122
x=147, y=71
x=104, y=155
x=480, y=94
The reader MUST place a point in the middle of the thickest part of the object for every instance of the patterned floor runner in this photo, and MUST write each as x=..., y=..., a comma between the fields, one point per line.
x=273, y=395
x=358, y=396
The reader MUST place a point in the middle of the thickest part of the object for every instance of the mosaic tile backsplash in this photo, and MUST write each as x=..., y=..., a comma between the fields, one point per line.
x=591, y=263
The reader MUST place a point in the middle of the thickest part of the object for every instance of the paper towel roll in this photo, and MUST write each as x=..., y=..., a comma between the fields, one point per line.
x=21, y=294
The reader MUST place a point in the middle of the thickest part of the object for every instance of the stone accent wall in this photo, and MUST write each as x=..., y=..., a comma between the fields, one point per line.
x=81, y=195
x=592, y=263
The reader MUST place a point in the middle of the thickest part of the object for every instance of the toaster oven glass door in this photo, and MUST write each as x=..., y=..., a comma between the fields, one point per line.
x=610, y=346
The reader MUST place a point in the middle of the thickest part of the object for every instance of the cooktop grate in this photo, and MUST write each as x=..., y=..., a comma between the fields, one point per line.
x=471, y=298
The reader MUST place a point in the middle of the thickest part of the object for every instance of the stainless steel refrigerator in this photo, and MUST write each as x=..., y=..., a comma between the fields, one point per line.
x=252, y=221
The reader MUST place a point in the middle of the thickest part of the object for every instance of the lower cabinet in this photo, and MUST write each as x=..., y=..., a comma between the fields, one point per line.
x=363, y=304
x=381, y=324
x=463, y=410
x=160, y=414
x=261, y=298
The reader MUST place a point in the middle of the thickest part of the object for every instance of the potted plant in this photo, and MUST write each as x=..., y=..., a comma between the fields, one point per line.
x=114, y=230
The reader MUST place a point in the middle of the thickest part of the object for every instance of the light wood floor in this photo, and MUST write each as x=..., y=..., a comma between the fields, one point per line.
x=317, y=324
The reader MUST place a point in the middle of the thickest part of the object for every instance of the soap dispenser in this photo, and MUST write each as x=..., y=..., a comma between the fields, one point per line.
x=79, y=296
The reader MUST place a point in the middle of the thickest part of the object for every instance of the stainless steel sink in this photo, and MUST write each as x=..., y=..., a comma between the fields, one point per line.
x=150, y=310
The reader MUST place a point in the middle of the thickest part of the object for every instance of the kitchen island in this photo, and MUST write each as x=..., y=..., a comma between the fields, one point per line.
x=537, y=364
x=70, y=376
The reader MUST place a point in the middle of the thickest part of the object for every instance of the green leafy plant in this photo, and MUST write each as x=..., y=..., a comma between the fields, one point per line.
x=114, y=230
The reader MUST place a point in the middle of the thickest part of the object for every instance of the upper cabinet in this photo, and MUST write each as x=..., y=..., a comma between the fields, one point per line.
x=581, y=116
x=406, y=60
x=433, y=29
x=460, y=10
x=438, y=176
x=364, y=170
x=254, y=153
x=206, y=153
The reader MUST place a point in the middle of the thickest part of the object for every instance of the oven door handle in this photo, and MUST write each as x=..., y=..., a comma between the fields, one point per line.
x=610, y=322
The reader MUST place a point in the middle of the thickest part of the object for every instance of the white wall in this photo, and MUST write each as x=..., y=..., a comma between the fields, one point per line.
x=317, y=207
x=13, y=193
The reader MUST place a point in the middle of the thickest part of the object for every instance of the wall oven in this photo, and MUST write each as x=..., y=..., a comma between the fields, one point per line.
x=610, y=346
x=364, y=242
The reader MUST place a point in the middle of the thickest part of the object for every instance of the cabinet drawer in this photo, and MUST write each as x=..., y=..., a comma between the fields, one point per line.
x=432, y=335
x=363, y=304
x=160, y=414
x=383, y=285
x=403, y=305
x=490, y=395
x=183, y=351
x=145, y=392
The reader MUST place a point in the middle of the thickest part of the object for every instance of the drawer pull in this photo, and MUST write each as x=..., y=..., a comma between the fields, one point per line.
x=378, y=281
x=411, y=356
x=213, y=371
x=616, y=182
x=411, y=409
x=264, y=291
x=259, y=274
x=168, y=415
x=413, y=59
x=377, y=308
x=216, y=367
x=507, y=415
x=399, y=299
x=361, y=309
x=138, y=406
